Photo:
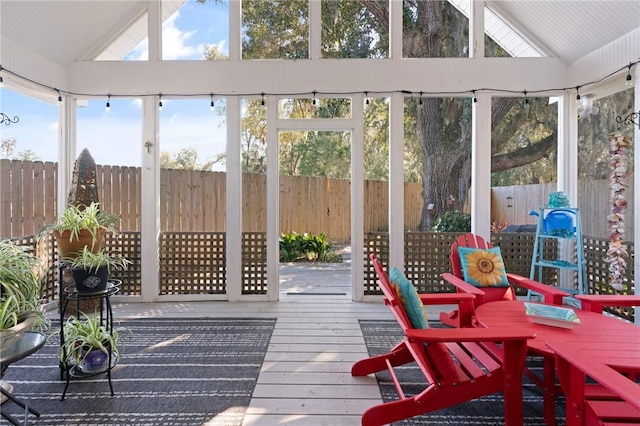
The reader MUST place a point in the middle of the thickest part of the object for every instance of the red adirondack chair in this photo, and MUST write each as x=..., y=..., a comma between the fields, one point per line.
x=458, y=364
x=482, y=295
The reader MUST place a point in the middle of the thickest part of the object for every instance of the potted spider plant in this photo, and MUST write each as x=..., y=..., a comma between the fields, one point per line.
x=79, y=226
x=20, y=292
x=88, y=343
x=91, y=269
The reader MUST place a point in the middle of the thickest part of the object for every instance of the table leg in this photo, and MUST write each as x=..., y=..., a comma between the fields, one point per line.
x=21, y=404
x=549, y=390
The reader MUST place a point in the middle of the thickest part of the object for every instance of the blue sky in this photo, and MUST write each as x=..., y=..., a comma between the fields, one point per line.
x=113, y=137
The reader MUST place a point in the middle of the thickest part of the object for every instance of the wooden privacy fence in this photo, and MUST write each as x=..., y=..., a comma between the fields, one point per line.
x=512, y=204
x=195, y=201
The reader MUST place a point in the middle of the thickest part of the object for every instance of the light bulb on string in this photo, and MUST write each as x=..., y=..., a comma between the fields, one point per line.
x=420, y=100
x=107, y=107
x=628, y=80
x=366, y=98
x=59, y=98
x=577, y=93
x=315, y=101
x=1, y=82
x=160, y=102
x=526, y=100
x=475, y=100
x=262, y=100
x=213, y=105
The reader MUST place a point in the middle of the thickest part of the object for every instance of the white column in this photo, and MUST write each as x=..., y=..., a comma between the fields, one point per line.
x=636, y=183
x=234, y=200
x=67, y=124
x=154, y=29
x=396, y=181
x=481, y=166
x=235, y=29
x=150, y=199
x=568, y=146
x=315, y=29
x=357, y=199
x=395, y=34
x=476, y=28
x=273, y=201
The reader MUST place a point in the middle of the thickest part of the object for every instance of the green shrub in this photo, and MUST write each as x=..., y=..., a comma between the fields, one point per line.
x=306, y=248
x=452, y=222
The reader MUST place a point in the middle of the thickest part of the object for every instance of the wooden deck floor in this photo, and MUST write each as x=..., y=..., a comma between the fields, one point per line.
x=305, y=378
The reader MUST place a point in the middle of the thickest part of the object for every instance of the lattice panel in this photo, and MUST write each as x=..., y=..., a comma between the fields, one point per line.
x=192, y=263
x=517, y=253
x=254, y=263
x=595, y=250
x=426, y=256
x=127, y=243
x=46, y=252
x=378, y=243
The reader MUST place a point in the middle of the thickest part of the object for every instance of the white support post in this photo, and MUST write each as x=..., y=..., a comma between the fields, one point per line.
x=234, y=200
x=235, y=30
x=67, y=142
x=273, y=201
x=154, y=29
x=395, y=26
x=357, y=200
x=481, y=166
x=150, y=198
x=315, y=29
x=568, y=146
x=476, y=28
x=567, y=171
x=396, y=181
x=636, y=184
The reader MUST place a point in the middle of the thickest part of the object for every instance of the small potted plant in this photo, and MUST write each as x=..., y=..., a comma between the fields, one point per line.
x=80, y=226
x=20, y=292
x=91, y=270
x=88, y=343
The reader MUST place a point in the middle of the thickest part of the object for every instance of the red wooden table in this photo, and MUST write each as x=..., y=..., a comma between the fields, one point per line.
x=596, y=335
x=614, y=396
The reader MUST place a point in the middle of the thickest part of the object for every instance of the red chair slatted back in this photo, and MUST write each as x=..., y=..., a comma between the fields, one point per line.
x=475, y=241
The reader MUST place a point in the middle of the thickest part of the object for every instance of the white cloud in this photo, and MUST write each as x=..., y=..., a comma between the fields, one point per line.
x=175, y=43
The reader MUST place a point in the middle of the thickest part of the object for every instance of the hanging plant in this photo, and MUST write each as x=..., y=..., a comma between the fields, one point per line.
x=617, y=252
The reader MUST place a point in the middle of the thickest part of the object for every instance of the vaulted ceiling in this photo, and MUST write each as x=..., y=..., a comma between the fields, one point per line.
x=68, y=31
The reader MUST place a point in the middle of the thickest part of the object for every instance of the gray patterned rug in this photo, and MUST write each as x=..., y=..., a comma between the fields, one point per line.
x=172, y=372
x=381, y=336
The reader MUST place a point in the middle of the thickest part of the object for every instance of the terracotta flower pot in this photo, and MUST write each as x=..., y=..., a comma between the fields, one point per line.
x=72, y=248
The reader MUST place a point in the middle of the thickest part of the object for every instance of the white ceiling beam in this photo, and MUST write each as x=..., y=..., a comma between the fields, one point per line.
x=239, y=77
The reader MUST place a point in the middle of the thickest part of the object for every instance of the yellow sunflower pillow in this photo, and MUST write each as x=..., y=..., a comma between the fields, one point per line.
x=483, y=267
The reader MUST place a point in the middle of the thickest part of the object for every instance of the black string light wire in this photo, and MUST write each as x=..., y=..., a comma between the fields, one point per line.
x=315, y=93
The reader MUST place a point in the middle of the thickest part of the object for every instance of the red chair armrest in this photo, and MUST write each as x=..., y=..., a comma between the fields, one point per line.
x=461, y=285
x=445, y=335
x=595, y=302
x=446, y=298
x=552, y=295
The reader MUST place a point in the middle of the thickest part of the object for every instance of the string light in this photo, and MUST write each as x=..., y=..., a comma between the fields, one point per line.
x=420, y=100
x=314, y=98
x=475, y=100
x=107, y=107
x=160, y=102
x=628, y=81
x=577, y=93
x=213, y=105
x=366, y=98
x=460, y=93
x=1, y=82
